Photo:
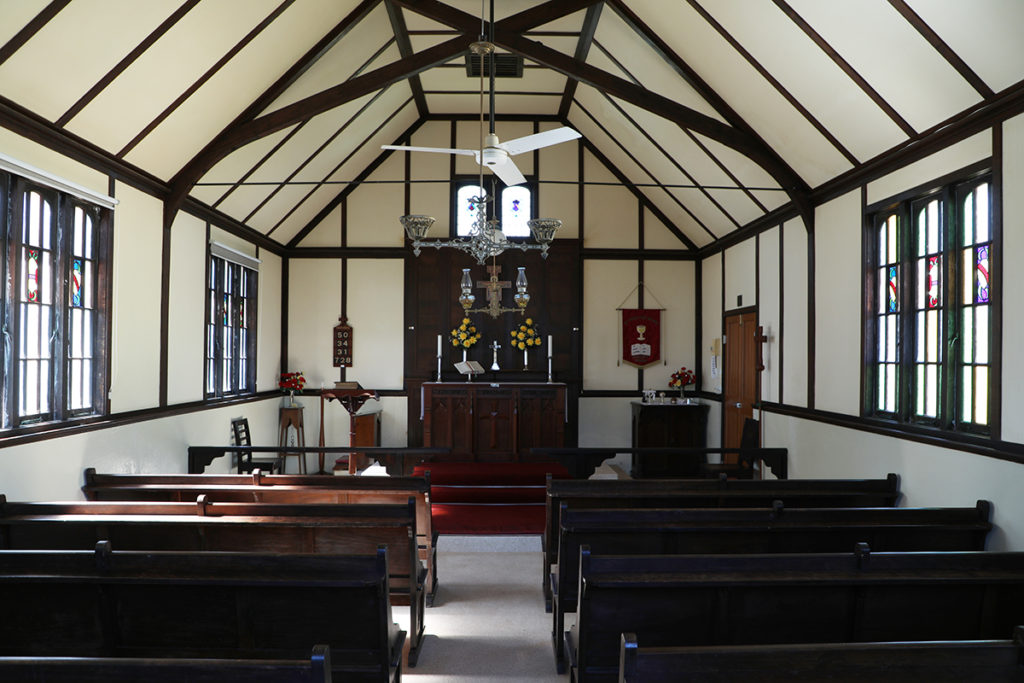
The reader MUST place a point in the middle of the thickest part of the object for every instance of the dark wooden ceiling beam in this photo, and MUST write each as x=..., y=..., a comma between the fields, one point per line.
x=582, y=50
x=337, y=167
x=517, y=23
x=846, y=67
x=308, y=107
x=31, y=28
x=774, y=82
x=405, y=50
x=207, y=75
x=363, y=175
x=933, y=38
x=739, y=140
x=644, y=200
x=129, y=59
x=643, y=169
x=693, y=138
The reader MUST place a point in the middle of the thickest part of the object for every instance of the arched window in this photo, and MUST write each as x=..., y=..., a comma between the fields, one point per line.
x=514, y=208
x=515, y=211
x=466, y=208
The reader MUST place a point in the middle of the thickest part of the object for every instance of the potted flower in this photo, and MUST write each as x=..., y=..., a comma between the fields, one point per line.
x=464, y=336
x=681, y=379
x=291, y=382
x=525, y=337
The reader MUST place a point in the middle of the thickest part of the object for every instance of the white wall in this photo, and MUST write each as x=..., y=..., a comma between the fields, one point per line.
x=52, y=468
x=837, y=333
x=930, y=476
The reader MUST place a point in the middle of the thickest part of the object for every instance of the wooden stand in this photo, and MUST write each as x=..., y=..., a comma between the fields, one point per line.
x=352, y=400
x=292, y=417
x=668, y=425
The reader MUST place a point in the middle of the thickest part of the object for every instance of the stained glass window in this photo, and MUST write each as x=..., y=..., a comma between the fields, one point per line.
x=230, y=333
x=976, y=288
x=929, y=351
x=887, y=316
x=82, y=313
x=56, y=247
x=467, y=208
x=930, y=300
x=35, y=311
x=513, y=210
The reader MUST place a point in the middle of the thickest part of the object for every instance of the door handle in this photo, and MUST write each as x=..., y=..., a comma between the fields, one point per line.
x=737, y=405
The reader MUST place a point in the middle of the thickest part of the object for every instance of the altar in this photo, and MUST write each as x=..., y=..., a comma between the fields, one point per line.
x=492, y=422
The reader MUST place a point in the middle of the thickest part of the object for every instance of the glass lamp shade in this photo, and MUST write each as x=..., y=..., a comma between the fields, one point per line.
x=466, y=298
x=521, y=297
x=416, y=226
x=543, y=229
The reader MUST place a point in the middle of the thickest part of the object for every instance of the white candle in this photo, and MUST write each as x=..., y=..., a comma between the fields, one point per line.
x=438, y=346
x=550, y=351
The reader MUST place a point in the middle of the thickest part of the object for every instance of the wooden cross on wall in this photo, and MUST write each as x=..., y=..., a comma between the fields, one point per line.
x=494, y=285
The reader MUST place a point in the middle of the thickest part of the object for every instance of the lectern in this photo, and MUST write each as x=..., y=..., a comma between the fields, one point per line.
x=352, y=399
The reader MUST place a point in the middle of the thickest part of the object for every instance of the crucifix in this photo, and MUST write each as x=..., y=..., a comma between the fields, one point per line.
x=494, y=287
x=494, y=347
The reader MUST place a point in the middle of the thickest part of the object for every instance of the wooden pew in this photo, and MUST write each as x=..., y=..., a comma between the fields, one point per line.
x=967, y=661
x=698, y=493
x=316, y=669
x=241, y=527
x=220, y=488
x=705, y=600
x=696, y=531
x=107, y=603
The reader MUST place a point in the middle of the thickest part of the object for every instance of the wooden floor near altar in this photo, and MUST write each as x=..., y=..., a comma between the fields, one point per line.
x=488, y=621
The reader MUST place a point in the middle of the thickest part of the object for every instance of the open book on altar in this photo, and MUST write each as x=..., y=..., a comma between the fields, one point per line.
x=469, y=367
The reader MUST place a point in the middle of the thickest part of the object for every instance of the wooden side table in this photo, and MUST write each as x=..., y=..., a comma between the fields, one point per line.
x=292, y=417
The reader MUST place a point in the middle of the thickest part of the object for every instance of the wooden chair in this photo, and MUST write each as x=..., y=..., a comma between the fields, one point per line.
x=246, y=461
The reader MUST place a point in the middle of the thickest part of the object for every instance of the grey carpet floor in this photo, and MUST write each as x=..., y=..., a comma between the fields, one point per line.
x=488, y=621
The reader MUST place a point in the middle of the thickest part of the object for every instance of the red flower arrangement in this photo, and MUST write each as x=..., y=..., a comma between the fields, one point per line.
x=291, y=381
x=682, y=378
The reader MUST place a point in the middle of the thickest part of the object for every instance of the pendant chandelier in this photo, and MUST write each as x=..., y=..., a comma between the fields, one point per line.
x=486, y=238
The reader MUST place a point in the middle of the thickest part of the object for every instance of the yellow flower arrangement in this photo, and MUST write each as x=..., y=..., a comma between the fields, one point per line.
x=525, y=336
x=465, y=335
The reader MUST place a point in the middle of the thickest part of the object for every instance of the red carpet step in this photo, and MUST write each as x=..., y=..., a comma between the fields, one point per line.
x=489, y=498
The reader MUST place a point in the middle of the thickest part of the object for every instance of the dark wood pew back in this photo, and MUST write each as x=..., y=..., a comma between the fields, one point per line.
x=968, y=661
x=706, y=493
x=109, y=603
x=316, y=669
x=287, y=488
x=237, y=527
x=690, y=600
x=625, y=531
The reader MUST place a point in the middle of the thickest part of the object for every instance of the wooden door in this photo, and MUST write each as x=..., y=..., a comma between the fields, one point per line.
x=740, y=391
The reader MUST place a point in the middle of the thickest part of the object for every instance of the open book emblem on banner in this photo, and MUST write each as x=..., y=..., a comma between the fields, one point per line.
x=641, y=336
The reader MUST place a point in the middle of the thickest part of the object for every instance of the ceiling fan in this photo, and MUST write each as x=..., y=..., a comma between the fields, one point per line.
x=493, y=153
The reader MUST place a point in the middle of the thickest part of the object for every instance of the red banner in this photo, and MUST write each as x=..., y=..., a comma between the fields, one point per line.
x=641, y=336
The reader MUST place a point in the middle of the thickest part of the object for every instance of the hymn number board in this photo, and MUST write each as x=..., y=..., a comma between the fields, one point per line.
x=342, y=345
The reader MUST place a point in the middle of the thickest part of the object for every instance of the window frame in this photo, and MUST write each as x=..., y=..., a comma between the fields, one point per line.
x=13, y=189
x=214, y=359
x=463, y=181
x=950, y=191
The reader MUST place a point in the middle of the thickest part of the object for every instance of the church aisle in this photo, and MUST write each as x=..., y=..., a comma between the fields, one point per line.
x=488, y=622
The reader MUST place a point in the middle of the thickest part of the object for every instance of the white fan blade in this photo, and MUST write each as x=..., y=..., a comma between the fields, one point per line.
x=442, y=150
x=508, y=172
x=545, y=139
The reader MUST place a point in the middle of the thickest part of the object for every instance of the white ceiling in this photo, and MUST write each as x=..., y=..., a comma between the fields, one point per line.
x=719, y=112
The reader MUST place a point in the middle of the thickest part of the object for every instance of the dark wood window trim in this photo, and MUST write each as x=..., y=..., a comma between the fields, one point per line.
x=88, y=360
x=947, y=196
x=232, y=296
